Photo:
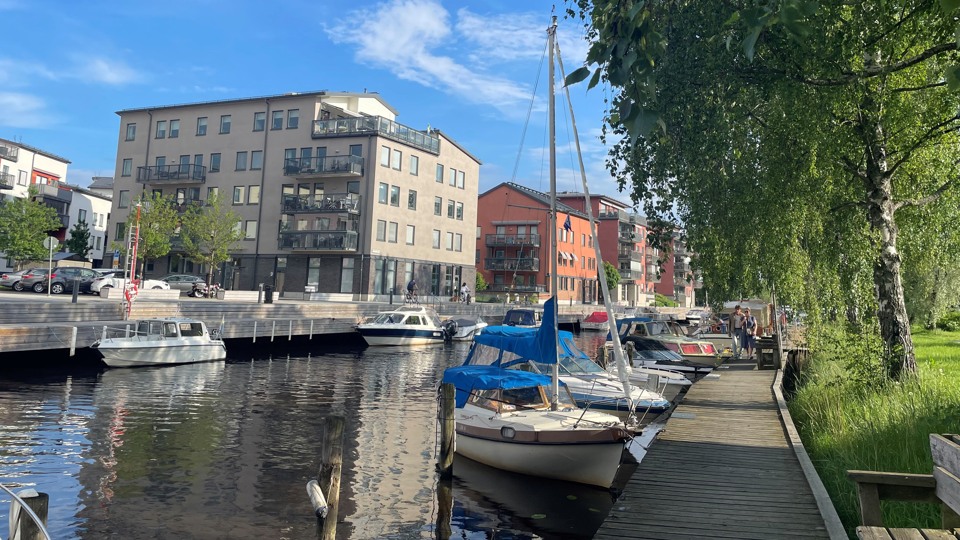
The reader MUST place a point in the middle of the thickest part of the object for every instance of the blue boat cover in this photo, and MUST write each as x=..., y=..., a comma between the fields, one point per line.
x=500, y=345
x=469, y=378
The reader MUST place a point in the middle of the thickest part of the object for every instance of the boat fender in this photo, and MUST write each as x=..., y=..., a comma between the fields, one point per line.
x=317, y=499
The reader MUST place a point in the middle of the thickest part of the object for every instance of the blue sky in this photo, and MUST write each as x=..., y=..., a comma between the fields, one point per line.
x=468, y=68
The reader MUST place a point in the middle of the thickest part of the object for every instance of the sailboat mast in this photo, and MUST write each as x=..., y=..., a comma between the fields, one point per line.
x=552, y=136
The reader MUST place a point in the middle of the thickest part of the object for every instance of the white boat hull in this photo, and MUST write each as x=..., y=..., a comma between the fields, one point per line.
x=160, y=354
x=382, y=339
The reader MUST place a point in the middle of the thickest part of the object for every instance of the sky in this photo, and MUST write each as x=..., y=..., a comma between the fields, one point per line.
x=473, y=69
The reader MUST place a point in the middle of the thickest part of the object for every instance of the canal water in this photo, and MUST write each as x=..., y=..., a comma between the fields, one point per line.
x=225, y=450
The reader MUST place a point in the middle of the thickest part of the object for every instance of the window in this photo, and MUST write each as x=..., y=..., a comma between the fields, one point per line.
x=412, y=200
x=161, y=161
x=82, y=215
x=201, y=126
x=451, y=208
x=436, y=239
x=458, y=242
x=238, y=194
x=396, y=159
x=215, y=162
x=394, y=195
x=249, y=230
x=174, y=129
x=241, y=161
x=356, y=150
x=161, y=129
x=460, y=211
x=381, y=230
x=22, y=180
x=384, y=156
x=97, y=242
x=414, y=165
x=256, y=160
x=293, y=118
x=121, y=230
x=411, y=234
x=392, y=232
x=212, y=192
x=259, y=121
x=131, y=132
x=382, y=193
x=346, y=275
x=253, y=195
x=460, y=179
x=127, y=168
x=276, y=120
x=225, y=124
x=449, y=241
x=452, y=177
x=439, y=176
x=197, y=163
x=438, y=206
x=124, y=199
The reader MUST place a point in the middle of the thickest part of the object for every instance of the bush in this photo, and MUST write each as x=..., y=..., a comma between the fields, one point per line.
x=950, y=322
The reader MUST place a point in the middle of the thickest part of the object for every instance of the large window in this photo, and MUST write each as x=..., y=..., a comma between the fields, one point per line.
x=241, y=161
x=225, y=124
x=458, y=242
x=394, y=195
x=215, y=162
x=259, y=121
x=449, y=241
x=346, y=275
x=356, y=150
x=201, y=126
x=174, y=129
x=293, y=118
x=452, y=175
x=249, y=230
x=276, y=121
x=256, y=160
x=161, y=129
x=127, y=168
x=131, y=132
x=460, y=179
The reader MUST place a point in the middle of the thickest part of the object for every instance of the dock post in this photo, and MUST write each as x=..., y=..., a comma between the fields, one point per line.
x=127, y=334
x=444, y=508
x=25, y=527
x=311, y=330
x=329, y=476
x=448, y=398
x=630, y=349
x=73, y=341
x=290, y=330
x=254, y=331
x=273, y=331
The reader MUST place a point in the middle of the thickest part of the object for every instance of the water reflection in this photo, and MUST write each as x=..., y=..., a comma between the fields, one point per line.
x=224, y=450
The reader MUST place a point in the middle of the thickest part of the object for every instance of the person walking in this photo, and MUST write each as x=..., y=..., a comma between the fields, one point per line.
x=735, y=330
x=464, y=291
x=750, y=330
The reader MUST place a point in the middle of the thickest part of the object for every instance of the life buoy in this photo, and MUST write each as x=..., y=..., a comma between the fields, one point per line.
x=131, y=293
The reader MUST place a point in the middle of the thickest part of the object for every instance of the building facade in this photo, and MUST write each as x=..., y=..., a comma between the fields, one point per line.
x=334, y=196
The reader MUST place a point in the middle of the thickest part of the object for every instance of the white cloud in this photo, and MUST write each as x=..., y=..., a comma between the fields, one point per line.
x=16, y=72
x=103, y=70
x=23, y=111
x=507, y=36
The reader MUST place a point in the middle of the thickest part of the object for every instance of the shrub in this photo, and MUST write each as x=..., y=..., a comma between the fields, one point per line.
x=950, y=322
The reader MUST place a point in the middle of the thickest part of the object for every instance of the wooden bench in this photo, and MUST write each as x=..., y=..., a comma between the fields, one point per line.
x=942, y=486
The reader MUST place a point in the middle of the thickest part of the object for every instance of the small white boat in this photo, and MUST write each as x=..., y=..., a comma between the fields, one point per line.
x=523, y=317
x=159, y=342
x=405, y=325
x=464, y=329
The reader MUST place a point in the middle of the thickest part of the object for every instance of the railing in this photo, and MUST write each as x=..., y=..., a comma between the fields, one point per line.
x=631, y=274
x=613, y=214
x=323, y=166
x=64, y=220
x=318, y=240
x=342, y=127
x=631, y=254
x=525, y=240
x=629, y=238
x=502, y=287
x=172, y=173
x=54, y=191
x=521, y=264
x=7, y=180
x=9, y=152
x=322, y=204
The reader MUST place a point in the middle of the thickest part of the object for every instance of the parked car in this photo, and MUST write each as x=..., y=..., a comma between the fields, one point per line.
x=12, y=280
x=61, y=279
x=184, y=282
x=116, y=279
x=32, y=276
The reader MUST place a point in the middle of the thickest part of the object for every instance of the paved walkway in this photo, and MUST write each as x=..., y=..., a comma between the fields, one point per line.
x=723, y=468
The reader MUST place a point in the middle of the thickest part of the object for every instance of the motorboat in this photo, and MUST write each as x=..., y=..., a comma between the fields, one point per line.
x=158, y=342
x=404, y=325
x=694, y=351
x=646, y=372
x=523, y=317
x=595, y=322
x=464, y=329
x=651, y=353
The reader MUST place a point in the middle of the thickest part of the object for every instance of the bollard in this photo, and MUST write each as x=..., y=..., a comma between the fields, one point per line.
x=448, y=401
x=260, y=294
x=329, y=476
x=602, y=357
x=76, y=290
x=23, y=525
x=630, y=349
x=391, y=294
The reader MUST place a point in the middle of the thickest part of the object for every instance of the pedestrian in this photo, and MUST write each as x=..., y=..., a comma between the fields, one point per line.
x=750, y=330
x=735, y=328
x=464, y=291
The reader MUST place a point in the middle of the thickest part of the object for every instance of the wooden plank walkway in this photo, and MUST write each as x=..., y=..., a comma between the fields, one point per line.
x=722, y=468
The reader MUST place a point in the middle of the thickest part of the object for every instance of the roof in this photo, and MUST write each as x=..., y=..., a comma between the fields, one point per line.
x=316, y=93
x=36, y=150
x=101, y=182
x=538, y=196
x=604, y=198
x=455, y=143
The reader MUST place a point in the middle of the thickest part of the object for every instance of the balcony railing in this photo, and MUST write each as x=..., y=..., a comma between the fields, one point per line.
x=345, y=127
x=54, y=192
x=318, y=240
x=7, y=180
x=328, y=203
x=9, y=152
x=629, y=237
x=172, y=173
x=630, y=275
x=323, y=167
x=524, y=240
x=64, y=220
x=522, y=264
x=633, y=255
x=503, y=287
x=610, y=214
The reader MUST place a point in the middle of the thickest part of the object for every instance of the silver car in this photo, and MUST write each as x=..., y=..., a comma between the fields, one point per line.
x=12, y=280
x=184, y=282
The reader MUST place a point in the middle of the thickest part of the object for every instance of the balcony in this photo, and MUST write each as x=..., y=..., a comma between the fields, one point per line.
x=521, y=264
x=323, y=167
x=328, y=203
x=6, y=180
x=628, y=237
x=173, y=174
x=610, y=214
x=64, y=220
x=53, y=193
x=523, y=240
x=9, y=152
x=630, y=275
x=630, y=254
x=503, y=287
x=318, y=240
x=376, y=125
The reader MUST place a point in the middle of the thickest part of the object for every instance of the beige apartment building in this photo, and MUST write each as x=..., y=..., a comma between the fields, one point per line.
x=335, y=196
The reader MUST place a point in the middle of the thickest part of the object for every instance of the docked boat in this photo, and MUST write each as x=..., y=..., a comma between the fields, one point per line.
x=694, y=351
x=523, y=317
x=159, y=342
x=464, y=329
x=595, y=322
x=654, y=354
x=405, y=325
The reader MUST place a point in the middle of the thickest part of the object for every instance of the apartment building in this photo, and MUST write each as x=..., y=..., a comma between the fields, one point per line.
x=335, y=196
x=679, y=282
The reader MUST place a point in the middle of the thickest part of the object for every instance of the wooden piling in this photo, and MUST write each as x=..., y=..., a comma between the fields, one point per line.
x=602, y=357
x=448, y=398
x=443, y=530
x=26, y=528
x=629, y=349
x=329, y=476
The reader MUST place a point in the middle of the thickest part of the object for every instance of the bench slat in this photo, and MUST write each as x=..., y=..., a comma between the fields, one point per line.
x=948, y=488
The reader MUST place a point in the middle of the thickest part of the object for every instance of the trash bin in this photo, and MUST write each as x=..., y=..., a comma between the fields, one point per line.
x=268, y=294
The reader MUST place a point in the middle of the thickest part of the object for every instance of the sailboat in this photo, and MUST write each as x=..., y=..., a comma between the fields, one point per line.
x=529, y=422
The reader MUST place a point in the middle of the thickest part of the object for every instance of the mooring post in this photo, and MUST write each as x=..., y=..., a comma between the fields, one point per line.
x=444, y=508
x=254, y=331
x=602, y=357
x=630, y=349
x=448, y=400
x=25, y=527
x=73, y=341
x=329, y=477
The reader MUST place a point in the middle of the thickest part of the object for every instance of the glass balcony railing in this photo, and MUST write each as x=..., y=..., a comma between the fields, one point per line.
x=629, y=237
x=630, y=274
x=522, y=240
x=323, y=166
x=7, y=180
x=377, y=125
x=9, y=152
x=322, y=204
x=609, y=214
x=630, y=254
x=522, y=264
x=172, y=173
x=503, y=287
x=319, y=240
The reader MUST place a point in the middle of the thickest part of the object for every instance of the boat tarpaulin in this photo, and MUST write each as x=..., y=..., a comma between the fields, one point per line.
x=469, y=378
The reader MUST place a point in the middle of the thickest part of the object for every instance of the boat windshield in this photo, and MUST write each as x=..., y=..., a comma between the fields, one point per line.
x=514, y=399
x=388, y=318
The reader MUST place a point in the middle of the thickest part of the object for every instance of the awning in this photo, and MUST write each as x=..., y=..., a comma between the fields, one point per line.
x=574, y=255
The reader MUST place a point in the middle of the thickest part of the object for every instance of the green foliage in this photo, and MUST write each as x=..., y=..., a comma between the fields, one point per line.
x=481, y=284
x=660, y=300
x=79, y=241
x=159, y=217
x=24, y=223
x=950, y=322
x=209, y=232
x=612, y=275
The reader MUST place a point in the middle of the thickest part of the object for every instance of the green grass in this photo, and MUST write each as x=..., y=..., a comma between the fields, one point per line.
x=846, y=425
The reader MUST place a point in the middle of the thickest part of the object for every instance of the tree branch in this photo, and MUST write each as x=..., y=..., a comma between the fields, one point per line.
x=934, y=132
x=925, y=200
x=848, y=204
x=918, y=88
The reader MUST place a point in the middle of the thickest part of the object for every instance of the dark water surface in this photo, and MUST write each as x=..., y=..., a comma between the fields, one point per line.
x=224, y=450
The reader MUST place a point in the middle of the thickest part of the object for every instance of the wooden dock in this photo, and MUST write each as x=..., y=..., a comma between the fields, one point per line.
x=724, y=467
